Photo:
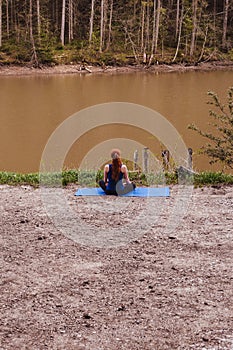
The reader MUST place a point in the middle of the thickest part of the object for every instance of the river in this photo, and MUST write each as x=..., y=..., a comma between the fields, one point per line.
x=33, y=106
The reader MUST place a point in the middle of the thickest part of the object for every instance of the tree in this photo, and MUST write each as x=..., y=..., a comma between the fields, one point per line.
x=220, y=146
x=34, y=58
x=0, y=23
x=225, y=19
x=7, y=19
x=110, y=25
x=63, y=18
x=177, y=16
x=38, y=19
x=194, y=29
x=71, y=21
x=91, y=21
x=102, y=10
x=180, y=22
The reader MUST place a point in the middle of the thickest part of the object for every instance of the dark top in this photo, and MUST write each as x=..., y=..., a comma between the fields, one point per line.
x=111, y=185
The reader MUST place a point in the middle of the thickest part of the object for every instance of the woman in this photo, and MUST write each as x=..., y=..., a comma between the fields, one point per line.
x=114, y=174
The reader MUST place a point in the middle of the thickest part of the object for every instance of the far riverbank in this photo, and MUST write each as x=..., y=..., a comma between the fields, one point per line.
x=14, y=70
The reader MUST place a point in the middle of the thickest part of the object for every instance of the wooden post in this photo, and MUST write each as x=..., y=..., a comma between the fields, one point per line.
x=190, y=158
x=135, y=159
x=145, y=158
x=166, y=159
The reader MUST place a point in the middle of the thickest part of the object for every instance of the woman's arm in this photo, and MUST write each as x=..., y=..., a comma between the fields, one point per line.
x=106, y=170
x=125, y=172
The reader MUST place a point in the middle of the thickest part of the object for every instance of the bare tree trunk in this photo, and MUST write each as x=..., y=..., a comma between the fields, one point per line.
x=30, y=20
x=71, y=21
x=177, y=16
x=34, y=59
x=156, y=22
x=147, y=25
x=214, y=25
x=179, y=30
x=153, y=34
x=225, y=19
x=157, y=25
x=204, y=43
x=57, y=16
x=91, y=20
x=194, y=30
x=38, y=20
x=7, y=19
x=133, y=45
x=110, y=25
x=101, y=26
x=0, y=23
x=142, y=28
x=63, y=17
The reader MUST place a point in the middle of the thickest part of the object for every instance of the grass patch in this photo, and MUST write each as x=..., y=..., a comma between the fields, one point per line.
x=10, y=178
x=210, y=178
x=89, y=178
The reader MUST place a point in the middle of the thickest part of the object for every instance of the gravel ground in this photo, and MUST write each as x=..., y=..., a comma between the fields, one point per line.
x=160, y=290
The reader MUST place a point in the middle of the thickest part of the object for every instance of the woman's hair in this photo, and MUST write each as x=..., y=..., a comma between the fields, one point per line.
x=116, y=163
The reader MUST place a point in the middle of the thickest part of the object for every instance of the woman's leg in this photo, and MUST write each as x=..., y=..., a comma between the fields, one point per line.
x=102, y=185
x=111, y=193
x=123, y=189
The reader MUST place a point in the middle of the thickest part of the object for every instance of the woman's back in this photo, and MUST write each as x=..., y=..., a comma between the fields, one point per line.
x=112, y=182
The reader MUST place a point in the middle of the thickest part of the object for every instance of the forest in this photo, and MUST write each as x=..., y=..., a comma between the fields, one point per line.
x=115, y=32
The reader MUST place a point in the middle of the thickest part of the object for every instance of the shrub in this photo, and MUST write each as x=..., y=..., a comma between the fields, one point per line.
x=220, y=145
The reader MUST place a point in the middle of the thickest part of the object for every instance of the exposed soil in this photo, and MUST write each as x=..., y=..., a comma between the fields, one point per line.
x=77, y=68
x=160, y=291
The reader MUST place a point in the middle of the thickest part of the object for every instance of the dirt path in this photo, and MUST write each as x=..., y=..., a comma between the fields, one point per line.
x=159, y=291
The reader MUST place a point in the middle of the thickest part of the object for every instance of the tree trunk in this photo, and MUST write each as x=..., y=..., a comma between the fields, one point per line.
x=110, y=25
x=0, y=23
x=38, y=20
x=91, y=21
x=142, y=28
x=225, y=19
x=63, y=17
x=179, y=30
x=147, y=25
x=30, y=20
x=34, y=59
x=153, y=35
x=157, y=25
x=101, y=26
x=133, y=45
x=177, y=17
x=71, y=21
x=214, y=25
x=204, y=43
x=7, y=19
x=194, y=30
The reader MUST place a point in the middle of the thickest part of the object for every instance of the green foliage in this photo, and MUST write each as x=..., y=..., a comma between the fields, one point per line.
x=220, y=145
x=11, y=178
x=89, y=178
x=69, y=176
x=45, y=55
x=211, y=178
x=117, y=40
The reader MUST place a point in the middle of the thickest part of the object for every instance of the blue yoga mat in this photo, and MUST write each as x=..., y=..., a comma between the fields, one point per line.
x=138, y=192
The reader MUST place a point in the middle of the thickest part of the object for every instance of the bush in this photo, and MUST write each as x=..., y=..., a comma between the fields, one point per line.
x=220, y=145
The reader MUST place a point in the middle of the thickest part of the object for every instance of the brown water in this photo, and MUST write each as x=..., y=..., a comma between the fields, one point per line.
x=32, y=107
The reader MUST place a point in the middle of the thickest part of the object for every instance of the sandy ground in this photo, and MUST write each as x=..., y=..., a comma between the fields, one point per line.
x=77, y=68
x=158, y=291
